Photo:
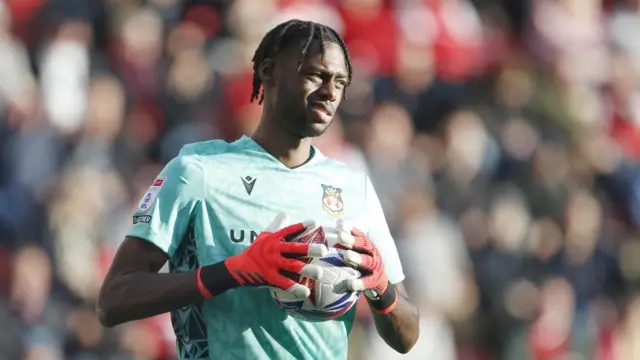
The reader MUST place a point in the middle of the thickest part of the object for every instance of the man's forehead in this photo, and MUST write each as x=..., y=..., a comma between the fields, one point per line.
x=333, y=55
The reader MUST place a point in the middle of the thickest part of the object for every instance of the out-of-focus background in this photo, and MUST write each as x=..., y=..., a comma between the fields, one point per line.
x=503, y=137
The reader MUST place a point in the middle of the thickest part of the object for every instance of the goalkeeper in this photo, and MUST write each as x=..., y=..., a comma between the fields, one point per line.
x=209, y=215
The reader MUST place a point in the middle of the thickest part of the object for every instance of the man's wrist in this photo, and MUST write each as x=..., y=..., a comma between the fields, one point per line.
x=215, y=279
x=384, y=303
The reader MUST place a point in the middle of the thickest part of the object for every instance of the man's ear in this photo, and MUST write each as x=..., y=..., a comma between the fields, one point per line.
x=266, y=72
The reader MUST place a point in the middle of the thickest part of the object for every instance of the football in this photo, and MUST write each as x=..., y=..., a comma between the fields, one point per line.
x=323, y=303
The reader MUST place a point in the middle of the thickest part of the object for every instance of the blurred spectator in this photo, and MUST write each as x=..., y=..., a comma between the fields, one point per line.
x=624, y=20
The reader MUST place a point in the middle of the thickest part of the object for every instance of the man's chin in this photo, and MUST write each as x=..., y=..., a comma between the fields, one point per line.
x=317, y=129
x=311, y=130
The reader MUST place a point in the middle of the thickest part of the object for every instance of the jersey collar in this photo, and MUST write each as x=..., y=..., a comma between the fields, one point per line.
x=250, y=144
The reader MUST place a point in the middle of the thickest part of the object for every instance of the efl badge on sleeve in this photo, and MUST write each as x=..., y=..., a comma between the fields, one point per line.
x=150, y=196
x=332, y=200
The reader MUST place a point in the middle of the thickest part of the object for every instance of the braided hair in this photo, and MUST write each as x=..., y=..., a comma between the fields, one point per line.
x=277, y=38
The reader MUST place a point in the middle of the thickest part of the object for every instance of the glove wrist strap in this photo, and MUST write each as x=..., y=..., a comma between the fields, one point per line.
x=385, y=302
x=215, y=279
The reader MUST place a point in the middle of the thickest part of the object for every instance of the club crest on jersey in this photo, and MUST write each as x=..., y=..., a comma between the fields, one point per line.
x=150, y=196
x=332, y=200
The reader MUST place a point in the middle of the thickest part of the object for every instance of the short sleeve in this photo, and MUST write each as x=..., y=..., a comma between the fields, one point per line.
x=164, y=213
x=381, y=236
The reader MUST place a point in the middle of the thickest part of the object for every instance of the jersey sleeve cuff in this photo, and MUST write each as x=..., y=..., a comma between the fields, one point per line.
x=165, y=246
x=396, y=278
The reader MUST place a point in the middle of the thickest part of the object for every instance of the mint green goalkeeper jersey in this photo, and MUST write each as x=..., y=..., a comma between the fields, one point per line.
x=211, y=202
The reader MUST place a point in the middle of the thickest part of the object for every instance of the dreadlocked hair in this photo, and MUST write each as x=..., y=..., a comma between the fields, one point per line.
x=277, y=38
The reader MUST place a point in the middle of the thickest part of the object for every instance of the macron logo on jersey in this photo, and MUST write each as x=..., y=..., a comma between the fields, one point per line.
x=248, y=184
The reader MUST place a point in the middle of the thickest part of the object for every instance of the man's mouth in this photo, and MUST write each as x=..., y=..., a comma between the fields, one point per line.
x=321, y=108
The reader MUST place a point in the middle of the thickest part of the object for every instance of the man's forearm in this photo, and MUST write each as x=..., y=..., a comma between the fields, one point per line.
x=138, y=294
x=399, y=328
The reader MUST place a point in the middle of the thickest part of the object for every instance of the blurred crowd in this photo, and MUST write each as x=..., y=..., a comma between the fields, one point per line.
x=503, y=137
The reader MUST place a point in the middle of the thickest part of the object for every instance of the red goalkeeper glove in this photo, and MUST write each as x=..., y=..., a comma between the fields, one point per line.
x=365, y=257
x=264, y=262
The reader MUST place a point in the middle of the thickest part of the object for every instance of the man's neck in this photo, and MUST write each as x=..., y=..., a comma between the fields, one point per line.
x=291, y=151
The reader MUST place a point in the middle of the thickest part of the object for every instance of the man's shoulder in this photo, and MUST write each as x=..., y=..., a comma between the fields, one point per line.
x=192, y=157
x=206, y=148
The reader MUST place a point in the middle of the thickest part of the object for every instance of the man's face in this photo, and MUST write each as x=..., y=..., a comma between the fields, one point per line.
x=308, y=96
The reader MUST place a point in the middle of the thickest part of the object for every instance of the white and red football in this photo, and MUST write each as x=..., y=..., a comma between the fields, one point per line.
x=323, y=303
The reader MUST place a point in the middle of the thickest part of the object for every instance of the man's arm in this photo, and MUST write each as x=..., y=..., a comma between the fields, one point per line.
x=400, y=327
x=395, y=317
x=133, y=289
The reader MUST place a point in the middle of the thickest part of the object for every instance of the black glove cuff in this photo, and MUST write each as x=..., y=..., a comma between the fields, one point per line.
x=215, y=279
x=386, y=301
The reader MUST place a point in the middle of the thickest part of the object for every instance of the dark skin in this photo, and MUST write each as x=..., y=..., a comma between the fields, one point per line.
x=399, y=328
x=298, y=106
x=293, y=96
x=133, y=289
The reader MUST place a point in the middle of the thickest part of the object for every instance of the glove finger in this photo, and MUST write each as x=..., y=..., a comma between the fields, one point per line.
x=353, y=258
x=278, y=223
x=344, y=236
x=354, y=285
x=302, y=268
x=317, y=251
x=344, y=226
x=293, y=230
x=349, y=237
x=300, y=249
x=314, y=272
x=361, y=262
x=292, y=287
x=331, y=237
x=338, y=238
x=370, y=293
x=348, y=228
x=299, y=291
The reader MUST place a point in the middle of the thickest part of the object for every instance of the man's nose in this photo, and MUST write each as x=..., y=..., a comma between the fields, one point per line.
x=328, y=91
